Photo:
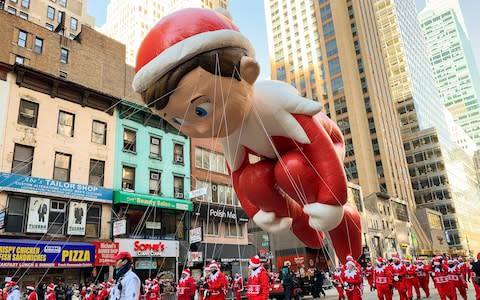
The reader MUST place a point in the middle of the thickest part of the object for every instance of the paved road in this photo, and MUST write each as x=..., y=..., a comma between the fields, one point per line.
x=367, y=295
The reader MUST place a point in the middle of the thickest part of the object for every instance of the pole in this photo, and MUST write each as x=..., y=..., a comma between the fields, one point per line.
x=468, y=245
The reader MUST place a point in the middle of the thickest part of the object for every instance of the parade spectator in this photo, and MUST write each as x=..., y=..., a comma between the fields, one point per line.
x=13, y=291
x=76, y=295
x=41, y=288
x=318, y=279
x=60, y=290
x=128, y=284
x=31, y=294
x=288, y=280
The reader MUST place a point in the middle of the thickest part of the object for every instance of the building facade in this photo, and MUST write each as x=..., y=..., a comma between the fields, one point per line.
x=151, y=183
x=217, y=211
x=330, y=51
x=427, y=140
x=129, y=21
x=455, y=72
x=63, y=16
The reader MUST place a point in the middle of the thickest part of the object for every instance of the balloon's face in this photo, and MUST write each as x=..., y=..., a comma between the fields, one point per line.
x=205, y=105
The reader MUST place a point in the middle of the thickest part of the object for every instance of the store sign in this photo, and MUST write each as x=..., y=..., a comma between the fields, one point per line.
x=104, y=253
x=145, y=264
x=195, y=256
x=56, y=188
x=77, y=218
x=151, y=201
x=119, y=227
x=153, y=225
x=38, y=212
x=197, y=193
x=195, y=235
x=226, y=213
x=45, y=254
x=156, y=248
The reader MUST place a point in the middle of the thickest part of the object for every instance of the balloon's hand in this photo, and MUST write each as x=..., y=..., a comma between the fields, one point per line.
x=323, y=217
x=269, y=222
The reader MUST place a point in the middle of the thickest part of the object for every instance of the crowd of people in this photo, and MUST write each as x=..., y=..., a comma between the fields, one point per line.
x=396, y=275
x=407, y=277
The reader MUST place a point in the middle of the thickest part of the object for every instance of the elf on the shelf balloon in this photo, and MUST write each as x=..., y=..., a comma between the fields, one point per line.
x=197, y=71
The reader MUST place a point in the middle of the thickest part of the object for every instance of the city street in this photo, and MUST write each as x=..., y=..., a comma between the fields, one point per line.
x=367, y=295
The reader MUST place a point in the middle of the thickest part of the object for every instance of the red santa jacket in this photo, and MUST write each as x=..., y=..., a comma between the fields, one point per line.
x=237, y=284
x=258, y=286
x=455, y=274
x=102, y=295
x=463, y=269
x=90, y=296
x=398, y=272
x=50, y=296
x=337, y=278
x=186, y=288
x=422, y=270
x=368, y=272
x=382, y=275
x=217, y=286
x=32, y=296
x=353, y=278
x=411, y=271
x=153, y=292
x=440, y=274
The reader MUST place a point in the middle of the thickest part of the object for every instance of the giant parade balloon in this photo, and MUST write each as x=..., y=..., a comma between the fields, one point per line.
x=197, y=71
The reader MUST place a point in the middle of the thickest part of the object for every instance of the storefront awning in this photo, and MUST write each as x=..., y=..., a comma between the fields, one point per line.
x=152, y=201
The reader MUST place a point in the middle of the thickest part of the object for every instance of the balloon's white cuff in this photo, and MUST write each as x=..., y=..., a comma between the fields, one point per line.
x=323, y=217
x=269, y=222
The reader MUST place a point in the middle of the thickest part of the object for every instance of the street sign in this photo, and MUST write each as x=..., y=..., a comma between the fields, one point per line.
x=197, y=193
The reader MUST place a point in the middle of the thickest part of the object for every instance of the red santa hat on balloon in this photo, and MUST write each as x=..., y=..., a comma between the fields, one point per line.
x=254, y=262
x=196, y=30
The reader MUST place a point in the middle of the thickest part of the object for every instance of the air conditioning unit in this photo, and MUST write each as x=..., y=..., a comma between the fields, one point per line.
x=178, y=195
x=154, y=176
x=179, y=159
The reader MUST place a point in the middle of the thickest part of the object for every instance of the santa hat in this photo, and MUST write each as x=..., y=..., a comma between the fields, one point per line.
x=380, y=260
x=181, y=36
x=395, y=256
x=349, y=257
x=148, y=280
x=213, y=264
x=110, y=282
x=186, y=271
x=11, y=283
x=254, y=262
x=102, y=285
x=31, y=288
x=436, y=261
x=350, y=263
x=51, y=287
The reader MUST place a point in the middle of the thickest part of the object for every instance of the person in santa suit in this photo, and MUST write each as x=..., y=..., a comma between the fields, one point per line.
x=110, y=283
x=31, y=293
x=103, y=291
x=439, y=274
x=349, y=257
x=146, y=286
x=352, y=281
x=186, y=286
x=216, y=285
x=50, y=295
x=90, y=295
x=201, y=286
x=398, y=273
x=411, y=280
x=368, y=272
x=456, y=280
x=189, y=65
x=237, y=286
x=337, y=281
x=258, y=285
x=423, y=272
x=462, y=266
x=152, y=291
x=382, y=278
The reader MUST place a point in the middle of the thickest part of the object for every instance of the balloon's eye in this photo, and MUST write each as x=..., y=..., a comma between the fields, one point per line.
x=203, y=109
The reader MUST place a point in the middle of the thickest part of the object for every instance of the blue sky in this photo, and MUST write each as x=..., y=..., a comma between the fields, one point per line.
x=248, y=15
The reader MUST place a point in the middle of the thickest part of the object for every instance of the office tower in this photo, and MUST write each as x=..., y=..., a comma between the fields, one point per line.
x=129, y=21
x=330, y=50
x=63, y=16
x=432, y=153
x=455, y=72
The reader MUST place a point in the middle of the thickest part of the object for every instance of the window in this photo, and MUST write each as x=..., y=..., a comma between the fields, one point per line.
x=28, y=113
x=38, y=48
x=337, y=85
x=325, y=12
x=94, y=217
x=11, y=10
x=51, y=13
x=64, y=56
x=73, y=23
x=66, y=123
x=56, y=218
x=211, y=161
x=63, y=3
x=23, y=15
x=155, y=147
x=178, y=153
x=178, y=186
x=328, y=30
x=22, y=38
x=212, y=227
x=234, y=229
x=62, y=166
x=26, y=3
x=60, y=17
x=15, y=213
x=154, y=185
x=49, y=26
x=19, y=59
x=97, y=172
x=99, y=132
x=334, y=66
x=128, y=178
x=22, y=160
x=129, y=140
x=331, y=47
